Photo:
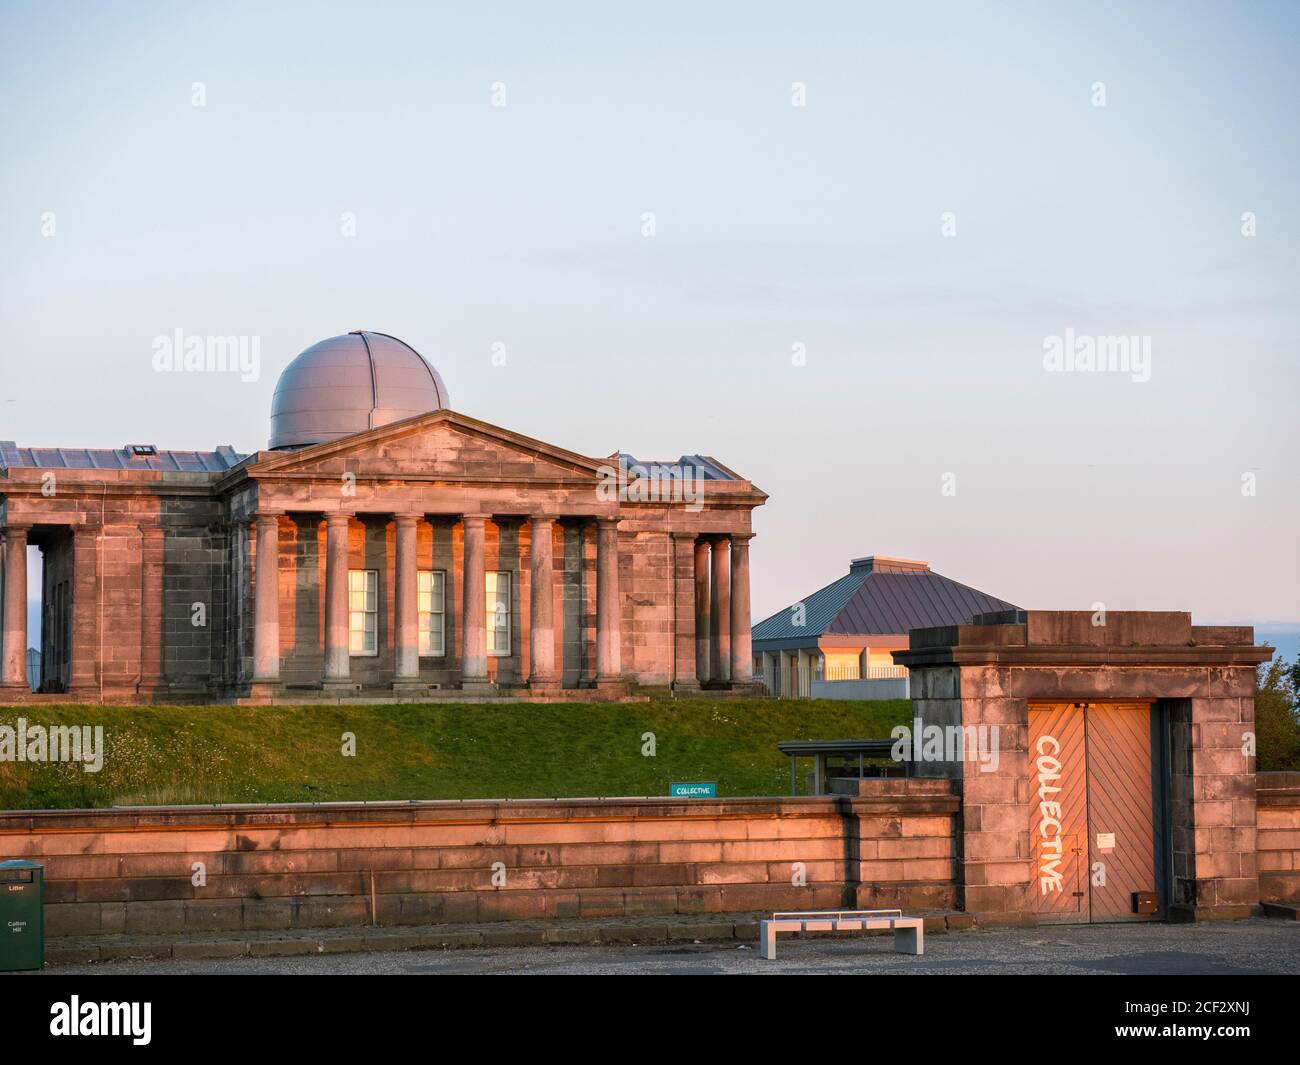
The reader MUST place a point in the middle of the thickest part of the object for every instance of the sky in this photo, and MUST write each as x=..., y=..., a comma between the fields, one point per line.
x=827, y=243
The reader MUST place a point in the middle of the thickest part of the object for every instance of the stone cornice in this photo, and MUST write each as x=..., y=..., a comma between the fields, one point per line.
x=996, y=655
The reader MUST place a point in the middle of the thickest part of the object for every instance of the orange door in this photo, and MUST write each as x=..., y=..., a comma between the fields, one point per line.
x=1058, y=820
x=1092, y=810
x=1121, y=830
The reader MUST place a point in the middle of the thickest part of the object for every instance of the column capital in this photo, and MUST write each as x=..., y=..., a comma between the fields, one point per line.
x=267, y=516
x=539, y=518
x=407, y=519
x=741, y=537
x=474, y=519
x=15, y=528
x=690, y=537
x=607, y=523
x=338, y=517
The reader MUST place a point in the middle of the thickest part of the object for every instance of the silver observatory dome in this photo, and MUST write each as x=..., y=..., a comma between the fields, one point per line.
x=348, y=384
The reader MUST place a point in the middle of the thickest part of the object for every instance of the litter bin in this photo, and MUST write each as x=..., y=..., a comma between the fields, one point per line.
x=22, y=915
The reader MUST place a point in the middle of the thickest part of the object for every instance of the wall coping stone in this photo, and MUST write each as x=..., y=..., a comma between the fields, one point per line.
x=904, y=795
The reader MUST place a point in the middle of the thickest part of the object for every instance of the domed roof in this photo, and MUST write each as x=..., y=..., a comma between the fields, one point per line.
x=348, y=384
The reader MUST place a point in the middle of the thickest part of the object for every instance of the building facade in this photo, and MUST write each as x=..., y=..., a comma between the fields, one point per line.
x=384, y=545
x=838, y=642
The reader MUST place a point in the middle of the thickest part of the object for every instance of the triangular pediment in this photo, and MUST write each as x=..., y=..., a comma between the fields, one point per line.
x=442, y=444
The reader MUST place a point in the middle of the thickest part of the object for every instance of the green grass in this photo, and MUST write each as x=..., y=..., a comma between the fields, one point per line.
x=175, y=754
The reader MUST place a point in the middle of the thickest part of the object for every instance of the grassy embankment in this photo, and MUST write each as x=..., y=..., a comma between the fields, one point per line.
x=175, y=754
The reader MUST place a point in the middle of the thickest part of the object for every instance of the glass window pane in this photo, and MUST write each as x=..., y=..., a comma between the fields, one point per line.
x=498, y=612
x=363, y=613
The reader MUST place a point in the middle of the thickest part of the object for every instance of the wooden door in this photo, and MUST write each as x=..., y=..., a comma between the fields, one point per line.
x=1121, y=809
x=1058, y=820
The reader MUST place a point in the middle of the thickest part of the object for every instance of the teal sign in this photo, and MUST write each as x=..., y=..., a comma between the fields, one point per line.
x=700, y=789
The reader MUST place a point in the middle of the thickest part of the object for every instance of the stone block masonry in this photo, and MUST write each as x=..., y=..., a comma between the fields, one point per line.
x=267, y=867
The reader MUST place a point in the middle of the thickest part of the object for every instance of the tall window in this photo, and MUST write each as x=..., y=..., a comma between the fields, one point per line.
x=432, y=610
x=498, y=612
x=363, y=611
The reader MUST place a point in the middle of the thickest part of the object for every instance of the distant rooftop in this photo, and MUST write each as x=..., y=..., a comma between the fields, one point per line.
x=704, y=467
x=130, y=457
x=881, y=596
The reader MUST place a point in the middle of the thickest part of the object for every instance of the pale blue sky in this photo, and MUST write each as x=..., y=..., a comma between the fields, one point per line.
x=776, y=226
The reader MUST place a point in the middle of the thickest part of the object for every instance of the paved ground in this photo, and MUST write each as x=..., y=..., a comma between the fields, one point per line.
x=1219, y=948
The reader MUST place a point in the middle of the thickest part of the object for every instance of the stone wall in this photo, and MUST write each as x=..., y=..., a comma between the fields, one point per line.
x=312, y=866
x=1278, y=833
x=987, y=673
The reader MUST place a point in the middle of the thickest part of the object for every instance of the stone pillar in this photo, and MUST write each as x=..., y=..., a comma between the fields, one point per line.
x=703, y=614
x=742, y=654
x=14, y=674
x=720, y=612
x=152, y=608
x=83, y=684
x=609, y=635
x=473, y=666
x=406, y=603
x=266, y=601
x=685, y=663
x=338, y=664
x=541, y=616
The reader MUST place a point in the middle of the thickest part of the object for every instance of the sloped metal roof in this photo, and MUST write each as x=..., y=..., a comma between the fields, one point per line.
x=67, y=458
x=704, y=467
x=900, y=602
x=882, y=600
x=820, y=609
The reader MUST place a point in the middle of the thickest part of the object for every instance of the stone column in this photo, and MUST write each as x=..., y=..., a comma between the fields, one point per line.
x=685, y=664
x=703, y=614
x=720, y=612
x=266, y=601
x=152, y=607
x=338, y=665
x=14, y=673
x=83, y=683
x=541, y=617
x=473, y=666
x=742, y=655
x=406, y=602
x=609, y=634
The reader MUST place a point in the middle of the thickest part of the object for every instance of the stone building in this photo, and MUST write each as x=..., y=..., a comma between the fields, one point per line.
x=847, y=631
x=1123, y=787
x=382, y=546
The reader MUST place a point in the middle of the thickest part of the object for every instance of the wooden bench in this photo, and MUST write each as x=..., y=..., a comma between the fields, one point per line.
x=909, y=932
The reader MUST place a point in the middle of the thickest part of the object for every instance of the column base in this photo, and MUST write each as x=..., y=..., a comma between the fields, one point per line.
x=477, y=686
x=264, y=688
x=690, y=684
x=338, y=686
x=410, y=684
x=544, y=685
x=611, y=685
x=748, y=687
